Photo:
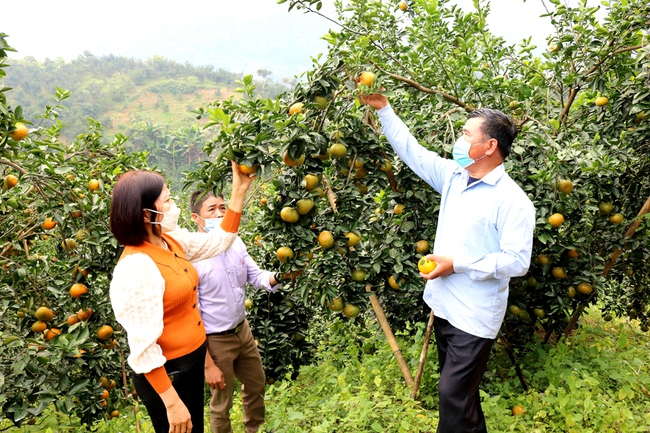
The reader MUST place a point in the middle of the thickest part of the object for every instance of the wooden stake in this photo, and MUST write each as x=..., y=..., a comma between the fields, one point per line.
x=423, y=357
x=379, y=312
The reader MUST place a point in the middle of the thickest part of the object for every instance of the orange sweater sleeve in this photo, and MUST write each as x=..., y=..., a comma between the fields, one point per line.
x=231, y=221
x=158, y=379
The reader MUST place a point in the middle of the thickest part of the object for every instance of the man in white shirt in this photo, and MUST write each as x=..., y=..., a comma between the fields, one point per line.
x=483, y=238
x=232, y=351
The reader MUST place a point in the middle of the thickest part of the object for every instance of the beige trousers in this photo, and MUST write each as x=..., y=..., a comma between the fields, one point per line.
x=236, y=355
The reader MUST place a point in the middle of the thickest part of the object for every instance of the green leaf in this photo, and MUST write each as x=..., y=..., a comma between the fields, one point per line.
x=63, y=170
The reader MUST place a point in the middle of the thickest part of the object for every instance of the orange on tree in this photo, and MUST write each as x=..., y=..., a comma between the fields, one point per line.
x=111, y=344
x=573, y=253
x=543, y=259
x=84, y=314
x=93, y=184
x=289, y=214
x=605, y=208
x=571, y=292
x=399, y=209
x=326, y=239
x=616, y=219
x=296, y=108
x=565, y=186
x=367, y=78
x=393, y=283
x=309, y=182
x=585, y=288
x=422, y=247
x=403, y=6
x=338, y=150
x=351, y=311
x=336, y=304
x=10, y=181
x=115, y=413
x=248, y=303
x=304, y=206
x=19, y=133
x=69, y=244
x=601, y=101
x=248, y=169
x=559, y=273
x=556, y=220
x=105, y=332
x=51, y=333
x=284, y=253
x=44, y=314
x=39, y=326
x=426, y=266
x=104, y=395
x=518, y=410
x=48, y=224
x=77, y=290
x=358, y=275
x=539, y=312
x=72, y=319
x=353, y=239
x=292, y=162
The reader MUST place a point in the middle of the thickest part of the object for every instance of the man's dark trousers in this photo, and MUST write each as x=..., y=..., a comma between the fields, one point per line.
x=463, y=359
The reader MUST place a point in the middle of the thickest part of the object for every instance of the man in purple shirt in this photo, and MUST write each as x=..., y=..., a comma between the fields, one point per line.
x=232, y=351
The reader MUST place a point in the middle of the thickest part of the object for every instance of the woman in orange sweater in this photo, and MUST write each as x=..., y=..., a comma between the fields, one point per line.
x=154, y=294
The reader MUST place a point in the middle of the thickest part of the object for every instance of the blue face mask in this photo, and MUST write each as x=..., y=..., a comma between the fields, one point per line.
x=461, y=152
x=210, y=223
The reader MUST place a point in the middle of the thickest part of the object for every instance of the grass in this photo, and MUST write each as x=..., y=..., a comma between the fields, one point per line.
x=597, y=381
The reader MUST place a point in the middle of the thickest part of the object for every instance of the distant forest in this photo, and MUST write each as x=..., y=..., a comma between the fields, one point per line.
x=147, y=100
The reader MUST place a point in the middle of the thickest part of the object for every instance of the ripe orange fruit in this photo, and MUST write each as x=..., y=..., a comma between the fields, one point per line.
x=326, y=239
x=39, y=326
x=367, y=79
x=104, y=395
x=115, y=413
x=358, y=275
x=85, y=315
x=72, y=319
x=292, y=162
x=76, y=213
x=426, y=266
x=109, y=345
x=571, y=293
x=573, y=253
x=51, y=333
x=421, y=247
x=565, y=186
x=284, y=253
x=399, y=209
x=44, y=314
x=289, y=214
x=19, y=133
x=296, y=108
x=93, y=185
x=48, y=224
x=518, y=410
x=605, y=208
x=351, y=311
x=309, y=182
x=601, y=101
x=105, y=332
x=393, y=283
x=616, y=219
x=336, y=304
x=304, y=206
x=10, y=181
x=403, y=6
x=585, y=288
x=556, y=220
x=247, y=169
x=558, y=273
x=77, y=290
x=543, y=259
x=338, y=150
x=353, y=239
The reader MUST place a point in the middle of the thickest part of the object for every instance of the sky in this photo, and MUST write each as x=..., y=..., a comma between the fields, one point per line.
x=236, y=35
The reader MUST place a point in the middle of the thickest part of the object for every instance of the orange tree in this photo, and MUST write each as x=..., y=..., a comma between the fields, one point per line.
x=582, y=106
x=56, y=253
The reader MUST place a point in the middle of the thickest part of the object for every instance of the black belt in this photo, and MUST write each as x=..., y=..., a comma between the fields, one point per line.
x=234, y=330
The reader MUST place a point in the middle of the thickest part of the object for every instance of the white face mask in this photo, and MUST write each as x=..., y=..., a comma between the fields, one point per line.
x=169, y=222
x=210, y=223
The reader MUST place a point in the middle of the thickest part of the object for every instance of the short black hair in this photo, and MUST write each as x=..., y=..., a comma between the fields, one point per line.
x=496, y=125
x=134, y=191
x=197, y=198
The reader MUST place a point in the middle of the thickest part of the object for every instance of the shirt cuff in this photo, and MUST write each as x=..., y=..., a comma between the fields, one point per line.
x=158, y=379
x=461, y=265
x=385, y=111
x=231, y=221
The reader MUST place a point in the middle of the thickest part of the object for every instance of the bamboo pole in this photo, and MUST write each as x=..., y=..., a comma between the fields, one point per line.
x=423, y=356
x=379, y=312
